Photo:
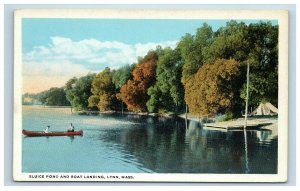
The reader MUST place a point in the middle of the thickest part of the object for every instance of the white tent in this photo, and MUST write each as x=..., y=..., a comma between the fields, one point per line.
x=265, y=109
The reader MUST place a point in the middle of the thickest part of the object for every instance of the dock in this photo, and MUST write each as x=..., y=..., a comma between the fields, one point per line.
x=233, y=125
x=87, y=112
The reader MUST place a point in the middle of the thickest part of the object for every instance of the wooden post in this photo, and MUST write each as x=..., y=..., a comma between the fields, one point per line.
x=247, y=97
x=245, y=124
x=186, y=110
x=122, y=108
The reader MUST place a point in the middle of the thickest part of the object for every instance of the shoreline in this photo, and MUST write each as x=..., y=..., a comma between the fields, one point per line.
x=125, y=113
x=266, y=122
x=270, y=121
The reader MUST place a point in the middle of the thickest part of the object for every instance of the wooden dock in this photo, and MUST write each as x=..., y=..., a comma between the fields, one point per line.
x=233, y=125
x=86, y=112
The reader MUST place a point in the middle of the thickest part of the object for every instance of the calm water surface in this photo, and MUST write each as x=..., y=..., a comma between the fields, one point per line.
x=128, y=143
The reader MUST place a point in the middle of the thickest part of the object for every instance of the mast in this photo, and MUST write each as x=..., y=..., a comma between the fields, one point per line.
x=247, y=97
x=245, y=125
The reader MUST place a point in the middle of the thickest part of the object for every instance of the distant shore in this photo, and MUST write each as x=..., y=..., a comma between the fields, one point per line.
x=47, y=106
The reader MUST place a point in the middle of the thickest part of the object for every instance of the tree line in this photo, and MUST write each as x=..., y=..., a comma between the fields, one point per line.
x=205, y=73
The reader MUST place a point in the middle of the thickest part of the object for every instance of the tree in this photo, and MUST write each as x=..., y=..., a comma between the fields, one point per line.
x=31, y=99
x=56, y=97
x=122, y=75
x=215, y=88
x=103, y=91
x=230, y=42
x=263, y=60
x=167, y=93
x=191, y=48
x=78, y=91
x=134, y=92
x=119, y=78
x=256, y=44
x=52, y=97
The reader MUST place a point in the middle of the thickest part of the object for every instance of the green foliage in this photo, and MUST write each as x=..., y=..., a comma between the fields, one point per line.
x=230, y=42
x=78, y=91
x=263, y=60
x=167, y=92
x=162, y=111
x=122, y=75
x=93, y=101
x=154, y=102
x=228, y=116
x=52, y=97
x=207, y=71
x=56, y=97
x=262, y=89
x=225, y=117
x=191, y=48
x=103, y=91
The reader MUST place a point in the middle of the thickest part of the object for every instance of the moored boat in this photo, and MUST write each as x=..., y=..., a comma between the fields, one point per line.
x=54, y=133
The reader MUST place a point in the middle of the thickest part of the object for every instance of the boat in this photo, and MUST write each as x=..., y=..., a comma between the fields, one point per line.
x=53, y=133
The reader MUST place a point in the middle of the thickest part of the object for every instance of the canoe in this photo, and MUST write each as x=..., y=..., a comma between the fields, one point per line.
x=54, y=133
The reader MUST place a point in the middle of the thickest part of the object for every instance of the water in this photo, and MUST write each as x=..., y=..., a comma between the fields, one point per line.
x=141, y=144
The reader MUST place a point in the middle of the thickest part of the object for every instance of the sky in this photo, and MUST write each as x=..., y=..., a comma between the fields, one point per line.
x=55, y=50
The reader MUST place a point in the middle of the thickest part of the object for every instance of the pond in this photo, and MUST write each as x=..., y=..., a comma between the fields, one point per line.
x=142, y=144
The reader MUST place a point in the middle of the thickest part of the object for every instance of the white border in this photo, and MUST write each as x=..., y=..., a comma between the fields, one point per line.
x=280, y=15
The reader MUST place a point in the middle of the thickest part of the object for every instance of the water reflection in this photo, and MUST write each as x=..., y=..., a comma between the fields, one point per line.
x=167, y=145
x=71, y=138
x=48, y=139
x=132, y=143
x=246, y=151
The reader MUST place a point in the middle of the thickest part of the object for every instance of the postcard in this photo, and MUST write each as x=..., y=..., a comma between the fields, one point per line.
x=147, y=95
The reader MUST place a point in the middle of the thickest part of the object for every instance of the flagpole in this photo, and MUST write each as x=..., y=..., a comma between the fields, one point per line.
x=247, y=97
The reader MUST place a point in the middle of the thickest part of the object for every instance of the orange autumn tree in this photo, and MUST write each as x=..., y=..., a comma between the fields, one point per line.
x=134, y=92
x=103, y=91
x=214, y=88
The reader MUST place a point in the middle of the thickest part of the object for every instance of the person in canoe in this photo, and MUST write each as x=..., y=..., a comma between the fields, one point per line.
x=47, y=129
x=72, y=128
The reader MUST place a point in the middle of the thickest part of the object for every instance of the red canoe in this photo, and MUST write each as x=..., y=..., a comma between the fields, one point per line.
x=54, y=133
